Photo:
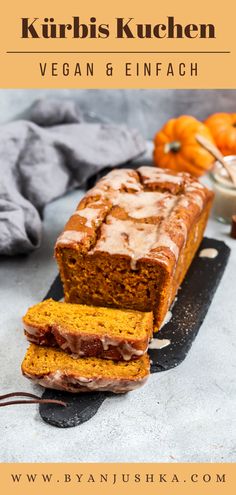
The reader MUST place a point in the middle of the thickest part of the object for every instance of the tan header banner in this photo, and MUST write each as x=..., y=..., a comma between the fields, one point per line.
x=123, y=44
x=117, y=479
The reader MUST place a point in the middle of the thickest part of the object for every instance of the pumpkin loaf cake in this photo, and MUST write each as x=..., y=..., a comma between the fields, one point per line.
x=132, y=238
x=54, y=368
x=89, y=331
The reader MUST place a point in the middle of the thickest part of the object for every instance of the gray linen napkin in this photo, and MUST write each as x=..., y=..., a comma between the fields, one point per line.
x=45, y=156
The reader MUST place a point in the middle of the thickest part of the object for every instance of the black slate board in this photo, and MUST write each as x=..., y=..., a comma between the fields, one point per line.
x=188, y=313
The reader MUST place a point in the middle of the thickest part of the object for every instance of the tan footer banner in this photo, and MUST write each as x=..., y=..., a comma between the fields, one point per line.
x=117, y=479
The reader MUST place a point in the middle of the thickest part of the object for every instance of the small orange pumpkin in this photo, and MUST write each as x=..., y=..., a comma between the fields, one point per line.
x=223, y=129
x=176, y=148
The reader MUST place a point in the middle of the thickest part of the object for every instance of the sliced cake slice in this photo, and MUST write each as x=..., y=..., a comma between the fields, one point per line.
x=54, y=368
x=89, y=331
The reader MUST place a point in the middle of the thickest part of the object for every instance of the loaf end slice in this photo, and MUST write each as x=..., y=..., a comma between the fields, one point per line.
x=53, y=368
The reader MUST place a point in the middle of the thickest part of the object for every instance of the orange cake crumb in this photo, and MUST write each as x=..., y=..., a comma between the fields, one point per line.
x=53, y=368
x=89, y=330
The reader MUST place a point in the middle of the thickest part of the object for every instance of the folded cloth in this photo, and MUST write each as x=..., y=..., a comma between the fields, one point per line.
x=43, y=157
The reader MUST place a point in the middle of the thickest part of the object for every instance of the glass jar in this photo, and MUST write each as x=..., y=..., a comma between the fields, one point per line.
x=224, y=205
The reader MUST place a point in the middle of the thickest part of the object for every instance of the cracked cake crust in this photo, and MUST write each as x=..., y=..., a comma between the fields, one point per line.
x=132, y=239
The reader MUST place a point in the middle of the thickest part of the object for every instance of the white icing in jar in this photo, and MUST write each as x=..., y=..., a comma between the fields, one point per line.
x=224, y=205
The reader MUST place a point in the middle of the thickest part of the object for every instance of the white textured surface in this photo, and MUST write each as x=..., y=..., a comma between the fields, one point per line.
x=185, y=414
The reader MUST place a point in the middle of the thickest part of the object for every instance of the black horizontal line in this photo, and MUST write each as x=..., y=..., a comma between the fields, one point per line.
x=127, y=52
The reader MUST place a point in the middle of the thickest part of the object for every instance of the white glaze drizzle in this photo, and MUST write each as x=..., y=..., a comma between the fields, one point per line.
x=133, y=239
x=152, y=174
x=166, y=241
x=145, y=205
x=33, y=331
x=74, y=344
x=167, y=318
x=197, y=185
x=60, y=381
x=195, y=195
x=69, y=236
x=115, y=180
x=92, y=216
x=184, y=202
x=126, y=349
x=126, y=237
x=208, y=253
x=159, y=343
x=137, y=239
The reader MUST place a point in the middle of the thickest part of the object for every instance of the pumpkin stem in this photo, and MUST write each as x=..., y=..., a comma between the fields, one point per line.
x=174, y=146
